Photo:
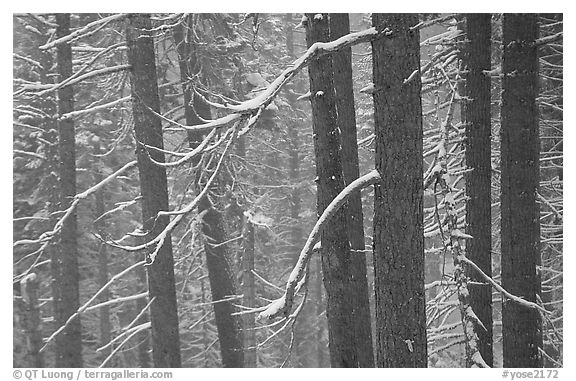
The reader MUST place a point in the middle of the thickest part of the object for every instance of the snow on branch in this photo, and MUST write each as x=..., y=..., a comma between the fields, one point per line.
x=87, y=30
x=549, y=39
x=84, y=307
x=283, y=305
x=47, y=236
x=501, y=289
x=103, y=106
x=440, y=175
x=117, y=300
x=158, y=241
x=75, y=79
x=199, y=149
x=84, y=67
x=264, y=98
x=133, y=332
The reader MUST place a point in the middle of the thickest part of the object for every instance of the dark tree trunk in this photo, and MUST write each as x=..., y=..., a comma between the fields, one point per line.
x=335, y=250
x=248, y=286
x=521, y=326
x=340, y=26
x=398, y=208
x=478, y=181
x=320, y=346
x=220, y=275
x=222, y=286
x=153, y=185
x=66, y=282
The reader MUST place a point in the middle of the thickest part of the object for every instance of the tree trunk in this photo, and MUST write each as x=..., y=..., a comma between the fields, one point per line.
x=320, y=346
x=31, y=320
x=153, y=185
x=67, y=296
x=521, y=327
x=478, y=181
x=335, y=250
x=221, y=279
x=398, y=208
x=342, y=61
x=104, y=312
x=248, y=286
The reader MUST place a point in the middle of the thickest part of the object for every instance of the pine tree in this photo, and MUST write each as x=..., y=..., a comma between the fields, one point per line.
x=335, y=250
x=398, y=207
x=477, y=116
x=153, y=185
x=521, y=326
x=220, y=275
x=346, y=119
x=67, y=297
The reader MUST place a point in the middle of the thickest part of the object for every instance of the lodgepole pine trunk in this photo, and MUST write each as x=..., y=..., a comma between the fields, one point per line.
x=220, y=275
x=342, y=62
x=335, y=252
x=67, y=276
x=153, y=185
x=398, y=204
x=521, y=327
x=476, y=114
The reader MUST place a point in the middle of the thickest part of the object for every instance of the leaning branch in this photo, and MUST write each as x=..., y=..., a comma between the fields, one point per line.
x=318, y=49
x=283, y=305
x=517, y=299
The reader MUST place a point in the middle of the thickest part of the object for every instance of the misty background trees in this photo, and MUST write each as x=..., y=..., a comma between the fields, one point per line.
x=288, y=190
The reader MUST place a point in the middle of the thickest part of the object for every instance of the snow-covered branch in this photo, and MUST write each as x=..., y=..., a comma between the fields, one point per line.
x=283, y=305
x=549, y=39
x=84, y=307
x=75, y=79
x=47, y=236
x=103, y=106
x=264, y=98
x=501, y=289
x=180, y=214
x=87, y=30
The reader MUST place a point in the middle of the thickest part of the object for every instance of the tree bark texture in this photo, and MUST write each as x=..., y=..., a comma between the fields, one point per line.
x=335, y=250
x=521, y=327
x=67, y=277
x=220, y=275
x=398, y=208
x=153, y=185
x=478, y=181
x=346, y=119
